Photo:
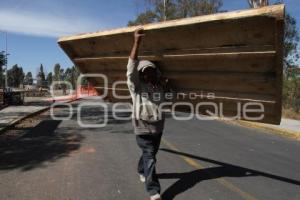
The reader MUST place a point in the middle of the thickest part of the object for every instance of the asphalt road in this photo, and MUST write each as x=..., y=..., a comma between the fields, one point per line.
x=198, y=160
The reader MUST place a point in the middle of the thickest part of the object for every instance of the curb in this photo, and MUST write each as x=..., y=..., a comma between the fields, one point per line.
x=13, y=123
x=3, y=107
x=278, y=131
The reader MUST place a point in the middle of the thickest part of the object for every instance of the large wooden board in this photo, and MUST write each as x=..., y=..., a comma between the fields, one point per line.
x=235, y=55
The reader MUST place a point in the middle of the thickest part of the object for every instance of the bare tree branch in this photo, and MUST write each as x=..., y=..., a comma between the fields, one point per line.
x=258, y=3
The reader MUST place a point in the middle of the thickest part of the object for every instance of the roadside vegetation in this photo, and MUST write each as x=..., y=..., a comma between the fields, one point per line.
x=16, y=77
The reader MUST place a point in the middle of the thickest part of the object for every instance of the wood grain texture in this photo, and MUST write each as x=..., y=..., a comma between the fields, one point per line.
x=235, y=55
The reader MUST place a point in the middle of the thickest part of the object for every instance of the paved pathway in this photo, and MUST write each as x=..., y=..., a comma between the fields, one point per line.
x=198, y=160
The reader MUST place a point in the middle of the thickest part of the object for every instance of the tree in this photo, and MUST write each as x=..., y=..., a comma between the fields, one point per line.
x=71, y=75
x=291, y=81
x=49, y=79
x=144, y=18
x=258, y=3
x=2, y=63
x=164, y=10
x=41, y=80
x=189, y=8
x=291, y=39
x=2, y=59
x=61, y=75
x=291, y=89
x=56, y=76
x=161, y=10
x=28, y=80
x=15, y=76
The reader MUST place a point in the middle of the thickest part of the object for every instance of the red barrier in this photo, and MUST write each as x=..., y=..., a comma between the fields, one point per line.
x=81, y=92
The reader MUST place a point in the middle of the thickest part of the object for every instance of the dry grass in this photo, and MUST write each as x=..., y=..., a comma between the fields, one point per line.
x=267, y=129
x=291, y=114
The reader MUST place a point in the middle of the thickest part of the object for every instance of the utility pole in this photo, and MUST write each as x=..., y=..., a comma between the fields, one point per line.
x=6, y=60
x=165, y=10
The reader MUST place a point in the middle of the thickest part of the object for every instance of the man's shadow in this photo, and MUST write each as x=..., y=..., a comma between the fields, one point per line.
x=188, y=180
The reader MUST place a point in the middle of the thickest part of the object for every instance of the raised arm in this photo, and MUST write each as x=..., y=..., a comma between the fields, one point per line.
x=138, y=34
x=132, y=73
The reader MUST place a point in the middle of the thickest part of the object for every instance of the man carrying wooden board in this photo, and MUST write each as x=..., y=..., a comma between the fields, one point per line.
x=147, y=90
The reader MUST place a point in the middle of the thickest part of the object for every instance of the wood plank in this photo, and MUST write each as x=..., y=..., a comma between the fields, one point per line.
x=183, y=56
x=279, y=40
x=255, y=63
x=239, y=82
x=253, y=31
x=223, y=49
x=236, y=55
x=122, y=90
x=270, y=11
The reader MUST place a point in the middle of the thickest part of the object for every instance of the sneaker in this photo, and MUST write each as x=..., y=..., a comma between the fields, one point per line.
x=142, y=178
x=155, y=197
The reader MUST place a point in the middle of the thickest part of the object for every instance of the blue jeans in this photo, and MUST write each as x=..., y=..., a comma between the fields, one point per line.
x=146, y=166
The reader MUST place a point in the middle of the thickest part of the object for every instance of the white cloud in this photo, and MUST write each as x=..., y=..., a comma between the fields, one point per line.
x=41, y=24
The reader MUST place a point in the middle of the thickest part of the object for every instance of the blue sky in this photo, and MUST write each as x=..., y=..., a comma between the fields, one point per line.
x=34, y=26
